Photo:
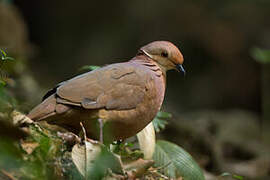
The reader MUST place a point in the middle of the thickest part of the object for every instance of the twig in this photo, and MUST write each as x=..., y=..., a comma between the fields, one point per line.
x=85, y=138
x=84, y=132
x=7, y=174
x=164, y=166
x=159, y=174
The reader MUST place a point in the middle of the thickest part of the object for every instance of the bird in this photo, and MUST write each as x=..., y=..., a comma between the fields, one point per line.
x=116, y=101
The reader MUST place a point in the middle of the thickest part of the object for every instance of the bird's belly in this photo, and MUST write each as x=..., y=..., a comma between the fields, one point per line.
x=126, y=123
x=118, y=124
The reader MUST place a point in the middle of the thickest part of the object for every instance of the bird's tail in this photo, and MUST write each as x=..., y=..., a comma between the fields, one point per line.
x=43, y=110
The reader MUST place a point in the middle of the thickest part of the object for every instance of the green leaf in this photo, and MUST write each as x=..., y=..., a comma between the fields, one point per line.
x=10, y=157
x=7, y=102
x=260, y=55
x=176, y=162
x=89, y=68
x=164, y=115
x=225, y=174
x=3, y=53
x=159, y=124
x=2, y=83
x=159, y=121
x=238, y=177
x=4, y=56
x=232, y=175
x=43, y=162
x=105, y=161
x=8, y=58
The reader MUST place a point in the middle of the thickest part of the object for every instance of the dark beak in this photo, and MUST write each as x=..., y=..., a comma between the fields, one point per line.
x=180, y=68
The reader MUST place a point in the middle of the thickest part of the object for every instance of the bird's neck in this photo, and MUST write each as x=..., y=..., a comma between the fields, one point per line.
x=150, y=64
x=157, y=71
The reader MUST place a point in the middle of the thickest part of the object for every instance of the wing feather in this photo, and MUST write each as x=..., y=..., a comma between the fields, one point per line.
x=115, y=87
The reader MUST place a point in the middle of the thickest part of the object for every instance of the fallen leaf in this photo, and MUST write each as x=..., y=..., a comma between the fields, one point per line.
x=137, y=168
x=84, y=156
x=147, y=141
x=20, y=118
x=29, y=147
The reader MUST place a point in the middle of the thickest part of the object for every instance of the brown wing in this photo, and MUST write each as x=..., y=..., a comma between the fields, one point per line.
x=118, y=86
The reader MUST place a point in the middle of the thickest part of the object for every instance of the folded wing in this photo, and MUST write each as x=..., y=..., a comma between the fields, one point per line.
x=114, y=87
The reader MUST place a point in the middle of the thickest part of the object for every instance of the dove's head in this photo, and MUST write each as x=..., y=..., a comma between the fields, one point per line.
x=166, y=54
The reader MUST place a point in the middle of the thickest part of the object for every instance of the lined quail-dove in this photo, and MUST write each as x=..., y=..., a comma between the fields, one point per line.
x=115, y=101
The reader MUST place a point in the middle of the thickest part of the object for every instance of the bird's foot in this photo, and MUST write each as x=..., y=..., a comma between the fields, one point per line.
x=69, y=137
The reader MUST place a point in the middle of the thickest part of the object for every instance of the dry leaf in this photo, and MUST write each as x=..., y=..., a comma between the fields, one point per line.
x=84, y=156
x=147, y=141
x=138, y=168
x=29, y=147
x=19, y=118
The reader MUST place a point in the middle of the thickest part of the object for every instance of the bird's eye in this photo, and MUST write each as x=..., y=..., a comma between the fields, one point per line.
x=164, y=54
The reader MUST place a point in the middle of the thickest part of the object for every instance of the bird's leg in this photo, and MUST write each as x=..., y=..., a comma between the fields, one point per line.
x=100, y=130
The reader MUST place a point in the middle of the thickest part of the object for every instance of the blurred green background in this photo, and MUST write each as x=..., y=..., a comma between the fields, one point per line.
x=219, y=108
x=215, y=38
